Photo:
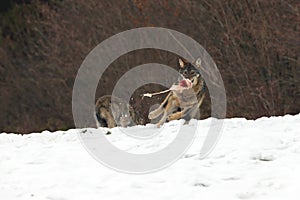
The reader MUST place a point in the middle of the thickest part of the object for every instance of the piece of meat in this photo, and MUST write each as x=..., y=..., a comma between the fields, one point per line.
x=186, y=83
x=182, y=85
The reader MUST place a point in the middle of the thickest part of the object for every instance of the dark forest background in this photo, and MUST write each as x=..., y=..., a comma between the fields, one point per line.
x=255, y=44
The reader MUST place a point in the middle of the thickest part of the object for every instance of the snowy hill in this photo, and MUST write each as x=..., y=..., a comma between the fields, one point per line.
x=253, y=160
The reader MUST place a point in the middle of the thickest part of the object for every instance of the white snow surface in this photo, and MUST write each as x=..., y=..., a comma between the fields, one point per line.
x=254, y=159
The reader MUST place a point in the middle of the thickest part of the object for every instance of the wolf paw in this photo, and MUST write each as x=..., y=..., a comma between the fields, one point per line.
x=155, y=113
x=151, y=115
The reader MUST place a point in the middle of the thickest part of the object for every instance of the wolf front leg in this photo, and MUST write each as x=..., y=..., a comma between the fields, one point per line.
x=162, y=120
x=179, y=115
x=110, y=121
x=105, y=119
x=187, y=114
x=157, y=112
x=171, y=106
x=175, y=116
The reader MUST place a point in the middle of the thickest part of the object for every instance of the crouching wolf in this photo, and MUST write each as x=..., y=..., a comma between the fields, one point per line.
x=183, y=103
x=112, y=111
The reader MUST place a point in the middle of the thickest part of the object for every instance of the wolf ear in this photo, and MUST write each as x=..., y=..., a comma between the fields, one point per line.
x=198, y=62
x=181, y=62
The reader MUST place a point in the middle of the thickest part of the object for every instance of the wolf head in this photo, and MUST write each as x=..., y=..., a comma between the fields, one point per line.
x=189, y=71
x=122, y=112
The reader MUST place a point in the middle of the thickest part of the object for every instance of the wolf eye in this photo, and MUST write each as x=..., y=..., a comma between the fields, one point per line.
x=184, y=72
x=193, y=72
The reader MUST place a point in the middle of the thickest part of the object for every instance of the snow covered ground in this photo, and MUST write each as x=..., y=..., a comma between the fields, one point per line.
x=253, y=160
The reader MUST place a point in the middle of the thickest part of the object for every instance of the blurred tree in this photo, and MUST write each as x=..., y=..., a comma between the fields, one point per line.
x=255, y=45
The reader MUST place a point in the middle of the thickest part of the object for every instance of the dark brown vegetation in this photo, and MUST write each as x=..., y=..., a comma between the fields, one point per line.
x=255, y=45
